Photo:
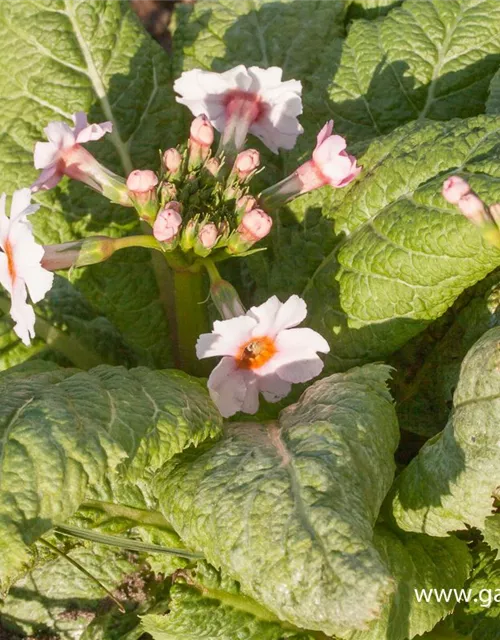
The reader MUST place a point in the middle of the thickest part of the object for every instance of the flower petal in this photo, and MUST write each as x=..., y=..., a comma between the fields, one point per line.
x=46, y=153
x=251, y=401
x=303, y=339
x=60, y=135
x=273, y=388
x=227, y=387
x=306, y=366
x=5, y=279
x=292, y=313
x=48, y=178
x=265, y=315
x=21, y=205
x=22, y=313
x=325, y=133
x=94, y=132
x=226, y=338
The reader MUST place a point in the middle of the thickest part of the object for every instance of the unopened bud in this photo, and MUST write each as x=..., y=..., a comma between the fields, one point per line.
x=213, y=166
x=207, y=238
x=226, y=299
x=168, y=222
x=140, y=182
x=455, y=188
x=189, y=234
x=246, y=163
x=473, y=208
x=172, y=161
x=201, y=137
x=168, y=192
x=244, y=205
x=254, y=226
x=141, y=187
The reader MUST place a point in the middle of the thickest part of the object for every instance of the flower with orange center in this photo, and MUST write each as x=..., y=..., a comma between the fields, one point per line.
x=262, y=353
x=20, y=263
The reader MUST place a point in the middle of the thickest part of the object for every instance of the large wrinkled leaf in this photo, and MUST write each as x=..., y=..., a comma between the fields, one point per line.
x=213, y=608
x=63, y=430
x=68, y=55
x=428, y=367
x=407, y=254
x=416, y=562
x=450, y=484
x=491, y=532
x=427, y=59
x=57, y=598
x=493, y=103
x=287, y=508
x=480, y=617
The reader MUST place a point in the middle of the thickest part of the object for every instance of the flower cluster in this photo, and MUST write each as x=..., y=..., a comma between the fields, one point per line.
x=200, y=208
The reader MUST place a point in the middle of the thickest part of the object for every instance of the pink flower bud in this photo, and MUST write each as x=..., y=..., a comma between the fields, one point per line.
x=473, y=208
x=141, y=181
x=246, y=163
x=208, y=235
x=255, y=225
x=455, y=188
x=201, y=131
x=172, y=160
x=246, y=204
x=168, y=222
x=213, y=166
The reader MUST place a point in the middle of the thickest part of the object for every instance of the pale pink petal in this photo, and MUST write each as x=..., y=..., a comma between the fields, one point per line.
x=227, y=387
x=48, y=178
x=39, y=281
x=80, y=122
x=94, y=132
x=21, y=205
x=307, y=366
x=251, y=401
x=22, y=313
x=5, y=279
x=264, y=78
x=325, y=133
x=273, y=388
x=291, y=313
x=265, y=314
x=226, y=338
x=303, y=339
x=60, y=134
x=328, y=151
x=4, y=221
x=46, y=153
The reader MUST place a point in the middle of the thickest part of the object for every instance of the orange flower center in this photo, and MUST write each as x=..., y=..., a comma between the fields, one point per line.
x=256, y=352
x=10, y=260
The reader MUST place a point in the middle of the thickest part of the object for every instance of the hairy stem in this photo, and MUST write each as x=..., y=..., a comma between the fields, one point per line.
x=125, y=543
x=141, y=516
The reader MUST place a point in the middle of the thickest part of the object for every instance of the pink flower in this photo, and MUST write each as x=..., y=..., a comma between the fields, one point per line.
x=473, y=208
x=246, y=163
x=254, y=226
x=330, y=163
x=455, y=188
x=242, y=100
x=262, y=353
x=168, y=222
x=201, y=137
x=141, y=182
x=172, y=160
x=63, y=153
x=208, y=235
x=20, y=263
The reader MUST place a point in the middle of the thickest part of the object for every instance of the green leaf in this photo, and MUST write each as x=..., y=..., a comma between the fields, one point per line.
x=491, y=532
x=64, y=430
x=416, y=562
x=429, y=369
x=287, y=508
x=428, y=59
x=450, y=484
x=289, y=34
x=371, y=9
x=94, y=57
x=480, y=617
x=57, y=598
x=213, y=608
x=493, y=103
x=407, y=254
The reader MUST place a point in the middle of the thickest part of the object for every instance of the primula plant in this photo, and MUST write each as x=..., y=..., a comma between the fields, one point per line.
x=250, y=342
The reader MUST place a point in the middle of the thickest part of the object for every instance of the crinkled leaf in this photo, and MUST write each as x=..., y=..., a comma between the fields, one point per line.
x=493, y=103
x=427, y=59
x=287, y=508
x=480, y=617
x=71, y=55
x=57, y=598
x=370, y=9
x=416, y=562
x=491, y=532
x=211, y=607
x=428, y=367
x=63, y=430
x=407, y=254
x=450, y=484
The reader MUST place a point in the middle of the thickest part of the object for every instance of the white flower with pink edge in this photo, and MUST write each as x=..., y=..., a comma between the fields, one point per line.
x=20, y=263
x=253, y=99
x=262, y=353
x=57, y=158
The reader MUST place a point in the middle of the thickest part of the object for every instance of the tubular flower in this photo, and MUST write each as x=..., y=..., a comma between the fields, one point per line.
x=242, y=100
x=20, y=263
x=262, y=353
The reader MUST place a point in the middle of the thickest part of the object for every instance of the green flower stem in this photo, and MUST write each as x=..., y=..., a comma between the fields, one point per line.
x=80, y=355
x=146, y=241
x=191, y=316
x=141, y=516
x=125, y=543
